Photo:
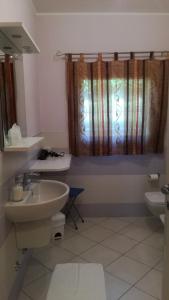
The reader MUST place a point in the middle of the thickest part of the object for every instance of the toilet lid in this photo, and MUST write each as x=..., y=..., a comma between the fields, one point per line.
x=155, y=198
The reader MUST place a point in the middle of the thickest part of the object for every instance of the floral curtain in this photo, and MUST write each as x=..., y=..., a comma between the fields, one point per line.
x=117, y=106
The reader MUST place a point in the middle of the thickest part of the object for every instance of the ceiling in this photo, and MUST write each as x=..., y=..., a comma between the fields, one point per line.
x=101, y=6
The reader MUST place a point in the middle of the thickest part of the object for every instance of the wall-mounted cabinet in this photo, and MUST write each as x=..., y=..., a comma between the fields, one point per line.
x=15, y=39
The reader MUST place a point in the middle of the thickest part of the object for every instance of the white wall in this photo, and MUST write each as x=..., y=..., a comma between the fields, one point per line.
x=88, y=33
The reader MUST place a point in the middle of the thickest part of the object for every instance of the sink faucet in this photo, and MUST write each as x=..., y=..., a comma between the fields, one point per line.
x=26, y=179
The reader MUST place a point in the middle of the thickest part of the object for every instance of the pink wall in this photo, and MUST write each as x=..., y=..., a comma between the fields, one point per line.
x=101, y=178
x=18, y=11
x=11, y=163
x=76, y=33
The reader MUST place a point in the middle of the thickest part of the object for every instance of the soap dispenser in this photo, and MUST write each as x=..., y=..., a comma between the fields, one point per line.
x=17, y=191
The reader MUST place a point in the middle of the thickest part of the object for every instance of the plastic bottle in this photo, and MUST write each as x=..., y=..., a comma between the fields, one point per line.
x=17, y=192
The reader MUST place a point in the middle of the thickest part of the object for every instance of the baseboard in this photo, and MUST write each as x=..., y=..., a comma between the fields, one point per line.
x=113, y=209
x=17, y=286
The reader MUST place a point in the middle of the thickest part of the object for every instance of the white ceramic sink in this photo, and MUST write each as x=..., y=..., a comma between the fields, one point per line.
x=46, y=198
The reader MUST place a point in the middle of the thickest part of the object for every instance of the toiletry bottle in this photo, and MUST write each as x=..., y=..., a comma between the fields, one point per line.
x=17, y=192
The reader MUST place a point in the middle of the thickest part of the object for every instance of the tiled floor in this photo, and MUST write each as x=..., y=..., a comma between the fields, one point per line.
x=130, y=249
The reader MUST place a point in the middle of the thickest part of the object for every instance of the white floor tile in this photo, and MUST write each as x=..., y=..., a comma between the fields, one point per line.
x=128, y=219
x=100, y=254
x=69, y=232
x=81, y=226
x=77, y=244
x=22, y=296
x=50, y=257
x=135, y=294
x=151, y=222
x=38, y=289
x=119, y=243
x=96, y=220
x=138, y=233
x=127, y=269
x=34, y=271
x=115, y=224
x=151, y=284
x=115, y=287
x=97, y=233
x=145, y=254
x=156, y=240
x=116, y=236
x=78, y=259
x=42, y=249
x=160, y=266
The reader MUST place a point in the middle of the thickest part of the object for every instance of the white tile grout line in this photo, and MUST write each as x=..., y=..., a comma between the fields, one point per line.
x=124, y=255
x=96, y=243
x=26, y=294
x=46, y=270
x=99, y=243
x=23, y=288
x=151, y=268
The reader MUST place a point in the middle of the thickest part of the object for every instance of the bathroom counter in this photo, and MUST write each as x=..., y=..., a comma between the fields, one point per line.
x=54, y=164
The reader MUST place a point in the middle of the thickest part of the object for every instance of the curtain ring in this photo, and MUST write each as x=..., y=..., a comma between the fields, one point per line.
x=116, y=56
x=69, y=57
x=100, y=57
x=132, y=56
x=81, y=59
x=151, y=55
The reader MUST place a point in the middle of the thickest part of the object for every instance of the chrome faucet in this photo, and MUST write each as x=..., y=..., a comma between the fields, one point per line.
x=26, y=179
x=29, y=178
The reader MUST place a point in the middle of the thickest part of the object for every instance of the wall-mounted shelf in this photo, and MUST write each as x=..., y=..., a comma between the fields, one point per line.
x=27, y=144
x=15, y=39
x=54, y=164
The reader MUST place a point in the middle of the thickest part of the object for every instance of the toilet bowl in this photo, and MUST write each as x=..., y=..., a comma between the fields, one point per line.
x=155, y=202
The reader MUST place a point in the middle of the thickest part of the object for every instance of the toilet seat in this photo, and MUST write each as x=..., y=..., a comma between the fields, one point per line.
x=155, y=198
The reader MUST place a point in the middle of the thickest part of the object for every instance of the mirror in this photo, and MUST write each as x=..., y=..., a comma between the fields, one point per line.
x=14, y=39
x=8, y=115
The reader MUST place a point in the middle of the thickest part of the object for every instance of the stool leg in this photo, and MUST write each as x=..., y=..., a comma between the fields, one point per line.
x=74, y=206
x=73, y=220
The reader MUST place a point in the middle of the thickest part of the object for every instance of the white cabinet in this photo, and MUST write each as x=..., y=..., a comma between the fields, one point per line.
x=15, y=39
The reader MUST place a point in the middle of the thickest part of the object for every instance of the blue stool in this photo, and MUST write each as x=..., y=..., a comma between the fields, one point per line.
x=70, y=205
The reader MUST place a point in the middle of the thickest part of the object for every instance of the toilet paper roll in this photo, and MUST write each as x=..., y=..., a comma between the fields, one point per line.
x=153, y=177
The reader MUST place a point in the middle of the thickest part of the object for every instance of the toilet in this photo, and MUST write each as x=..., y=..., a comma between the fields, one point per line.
x=155, y=202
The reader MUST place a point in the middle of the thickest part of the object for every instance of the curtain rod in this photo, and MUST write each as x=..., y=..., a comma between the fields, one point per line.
x=116, y=54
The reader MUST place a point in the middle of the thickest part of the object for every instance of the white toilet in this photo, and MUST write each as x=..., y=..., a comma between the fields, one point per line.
x=155, y=202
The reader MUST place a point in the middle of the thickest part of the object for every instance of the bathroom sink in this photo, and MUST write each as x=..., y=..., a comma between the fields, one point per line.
x=45, y=198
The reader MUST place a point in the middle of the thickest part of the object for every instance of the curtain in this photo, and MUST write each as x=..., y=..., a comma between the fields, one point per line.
x=7, y=99
x=117, y=106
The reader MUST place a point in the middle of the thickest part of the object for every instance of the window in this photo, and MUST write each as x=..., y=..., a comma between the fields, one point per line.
x=117, y=107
